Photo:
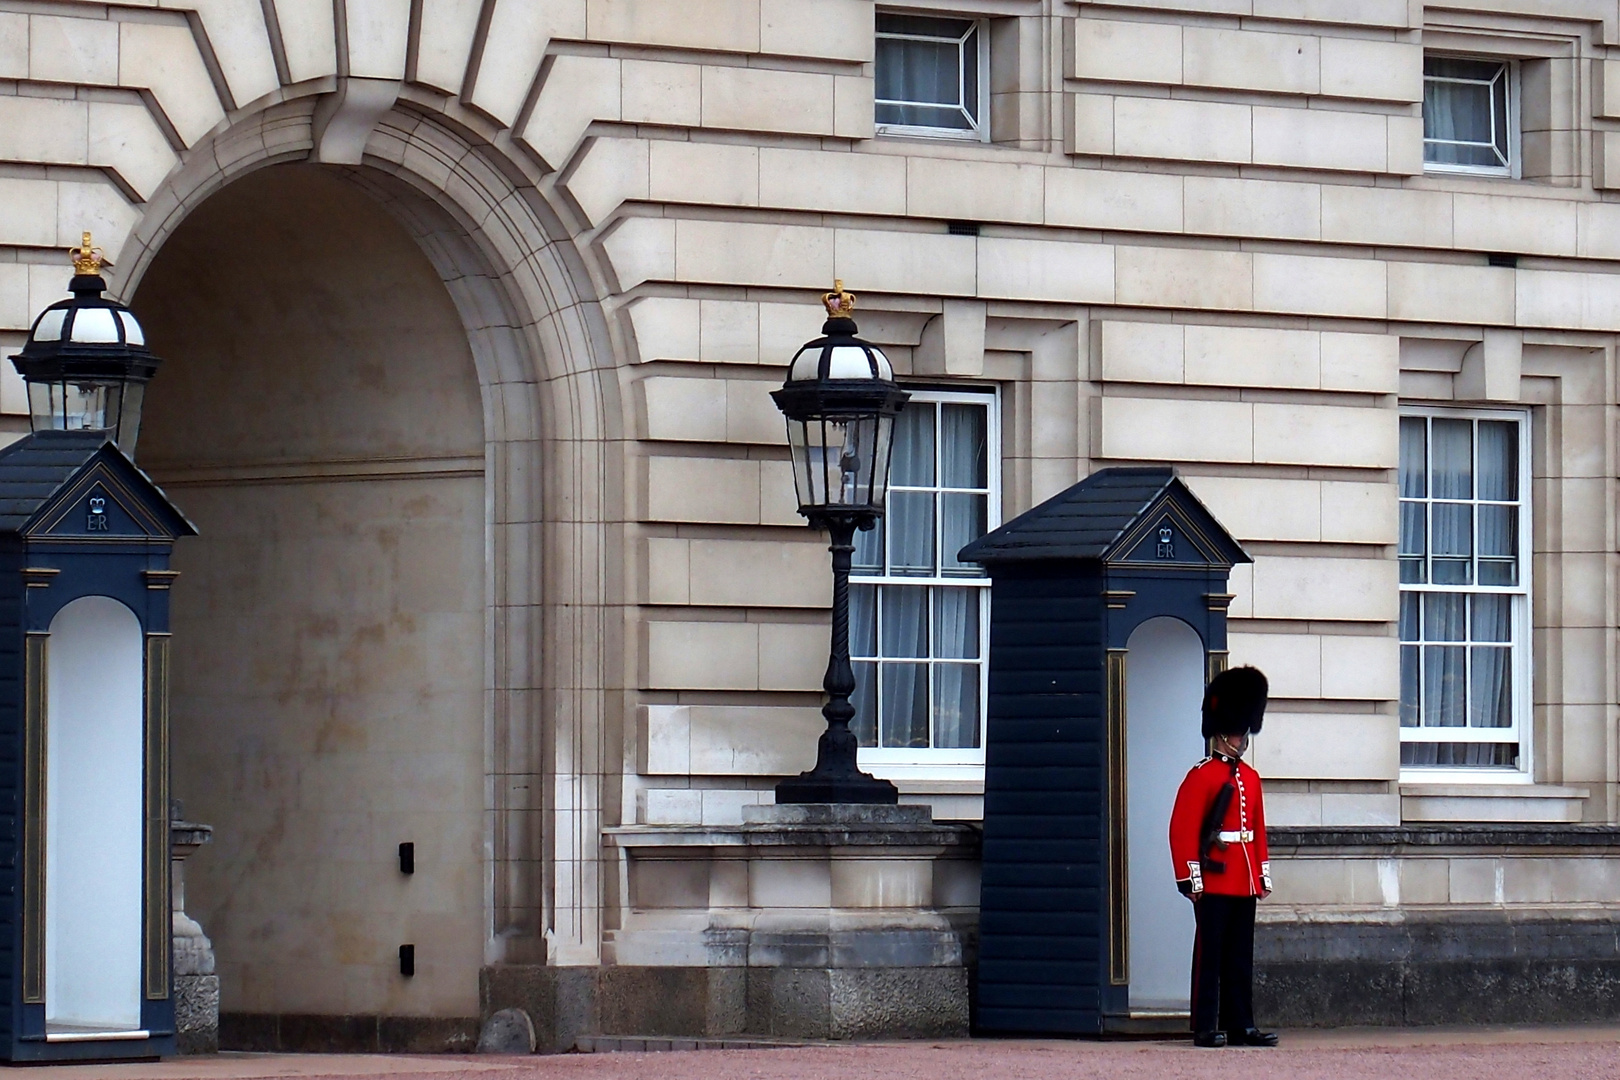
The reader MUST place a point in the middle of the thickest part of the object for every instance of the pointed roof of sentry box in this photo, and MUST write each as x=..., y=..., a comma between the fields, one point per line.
x=43, y=477
x=1143, y=516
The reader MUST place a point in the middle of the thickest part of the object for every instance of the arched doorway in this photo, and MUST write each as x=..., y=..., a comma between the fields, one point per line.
x=1164, y=688
x=319, y=418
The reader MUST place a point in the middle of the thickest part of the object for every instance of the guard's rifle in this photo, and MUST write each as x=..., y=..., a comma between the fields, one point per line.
x=1209, y=835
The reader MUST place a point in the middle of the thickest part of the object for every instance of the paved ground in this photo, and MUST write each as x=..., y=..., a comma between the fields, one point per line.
x=1580, y=1053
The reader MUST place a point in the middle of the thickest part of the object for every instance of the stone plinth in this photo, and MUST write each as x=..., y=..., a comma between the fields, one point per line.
x=196, y=987
x=809, y=921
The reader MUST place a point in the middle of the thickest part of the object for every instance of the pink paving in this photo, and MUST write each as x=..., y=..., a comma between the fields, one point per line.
x=1588, y=1053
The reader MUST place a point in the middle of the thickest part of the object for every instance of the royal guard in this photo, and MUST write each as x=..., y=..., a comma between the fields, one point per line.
x=1218, y=846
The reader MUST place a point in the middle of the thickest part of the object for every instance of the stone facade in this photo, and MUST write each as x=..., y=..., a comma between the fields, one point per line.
x=471, y=308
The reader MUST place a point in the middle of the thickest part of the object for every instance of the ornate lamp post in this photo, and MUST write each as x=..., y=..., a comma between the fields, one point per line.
x=86, y=361
x=840, y=401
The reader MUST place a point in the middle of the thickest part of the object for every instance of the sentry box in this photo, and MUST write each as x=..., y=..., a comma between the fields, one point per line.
x=1107, y=616
x=84, y=752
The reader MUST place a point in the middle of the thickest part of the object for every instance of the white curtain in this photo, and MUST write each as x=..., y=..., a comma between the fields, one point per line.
x=910, y=514
x=927, y=83
x=956, y=686
x=962, y=465
x=1445, y=667
x=905, y=686
x=1452, y=477
x=1465, y=112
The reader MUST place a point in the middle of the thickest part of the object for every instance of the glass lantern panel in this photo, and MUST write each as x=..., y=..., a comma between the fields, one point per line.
x=95, y=325
x=86, y=406
x=128, y=427
x=805, y=441
x=44, y=405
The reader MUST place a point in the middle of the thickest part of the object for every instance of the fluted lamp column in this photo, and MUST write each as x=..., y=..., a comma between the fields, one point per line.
x=840, y=401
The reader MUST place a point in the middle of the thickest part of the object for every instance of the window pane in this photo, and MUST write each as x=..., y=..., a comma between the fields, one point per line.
x=1490, y=703
x=1409, y=686
x=1453, y=543
x=1453, y=460
x=970, y=76
x=865, y=701
x=1493, y=618
x=863, y=620
x=913, y=462
x=922, y=25
x=1498, y=461
x=1444, y=616
x=918, y=71
x=905, y=621
x=930, y=116
x=905, y=704
x=1457, y=111
x=1500, y=755
x=1498, y=545
x=1409, y=617
x=911, y=533
x=1499, y=114
x=1498, y=531
x=956, y=623
x=962, y=520
x=1414, y=457
x=956, y=703
x=868, y=557
x=1444, y=686
x=1414, y=542
x=962, y=446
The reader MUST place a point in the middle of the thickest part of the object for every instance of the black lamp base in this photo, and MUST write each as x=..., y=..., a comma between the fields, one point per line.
x=861, y=788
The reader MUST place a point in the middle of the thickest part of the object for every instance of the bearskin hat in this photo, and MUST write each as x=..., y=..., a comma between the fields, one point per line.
x=1235, y=702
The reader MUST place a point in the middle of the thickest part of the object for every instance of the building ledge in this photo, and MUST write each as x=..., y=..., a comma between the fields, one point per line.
x=1423, y=834
x=1492, y=802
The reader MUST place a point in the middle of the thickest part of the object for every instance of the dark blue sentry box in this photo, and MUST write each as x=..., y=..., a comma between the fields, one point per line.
x=84, y=757
x=1107, y=616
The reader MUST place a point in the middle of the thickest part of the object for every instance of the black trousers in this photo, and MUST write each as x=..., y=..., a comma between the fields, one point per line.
x=1223, y=964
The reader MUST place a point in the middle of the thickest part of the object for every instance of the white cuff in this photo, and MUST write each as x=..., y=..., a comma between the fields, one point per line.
x=1195, y=874
x=1265, y=874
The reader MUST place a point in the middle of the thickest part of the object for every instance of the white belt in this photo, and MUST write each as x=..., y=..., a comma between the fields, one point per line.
x=1244, y=837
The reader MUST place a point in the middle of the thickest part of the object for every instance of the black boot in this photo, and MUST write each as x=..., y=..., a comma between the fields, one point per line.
x=1211, y=1039
x=1251, y=1037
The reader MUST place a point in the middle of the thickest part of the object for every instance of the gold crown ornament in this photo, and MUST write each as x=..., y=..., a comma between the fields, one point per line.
x=838, y=302
x=87, y=260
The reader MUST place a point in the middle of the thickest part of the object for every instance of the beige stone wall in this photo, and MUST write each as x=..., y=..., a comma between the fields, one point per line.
x=1205, y=238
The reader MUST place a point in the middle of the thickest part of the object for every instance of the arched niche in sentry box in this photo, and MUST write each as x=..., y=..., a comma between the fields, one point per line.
x=1107, y=617
x=85, y=539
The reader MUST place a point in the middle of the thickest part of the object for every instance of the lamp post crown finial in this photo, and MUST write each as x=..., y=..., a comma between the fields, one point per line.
x=87, y=260
x=838, y=303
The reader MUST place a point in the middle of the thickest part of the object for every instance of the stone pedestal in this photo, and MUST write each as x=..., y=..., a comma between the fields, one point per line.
x=196, y=987
x=811, y=921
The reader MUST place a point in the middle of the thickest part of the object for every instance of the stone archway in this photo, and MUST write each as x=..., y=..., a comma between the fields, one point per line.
x=319, y=417
x=553, y=643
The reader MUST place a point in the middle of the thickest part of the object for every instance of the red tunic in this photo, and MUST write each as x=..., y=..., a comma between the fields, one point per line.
x=1247, y=869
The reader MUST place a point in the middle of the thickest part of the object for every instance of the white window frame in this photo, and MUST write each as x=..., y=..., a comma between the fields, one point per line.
x=980, y=130
x=1522, y=646
x=1514, y=168
x=896, y=763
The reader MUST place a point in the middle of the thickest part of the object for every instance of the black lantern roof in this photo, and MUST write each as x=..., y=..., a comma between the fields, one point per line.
x=86, y=336
x=839, y=373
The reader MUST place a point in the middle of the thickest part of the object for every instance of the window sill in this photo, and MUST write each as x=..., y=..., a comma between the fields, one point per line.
x=1490, y=801
x=956, y=792
x=956, y=135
